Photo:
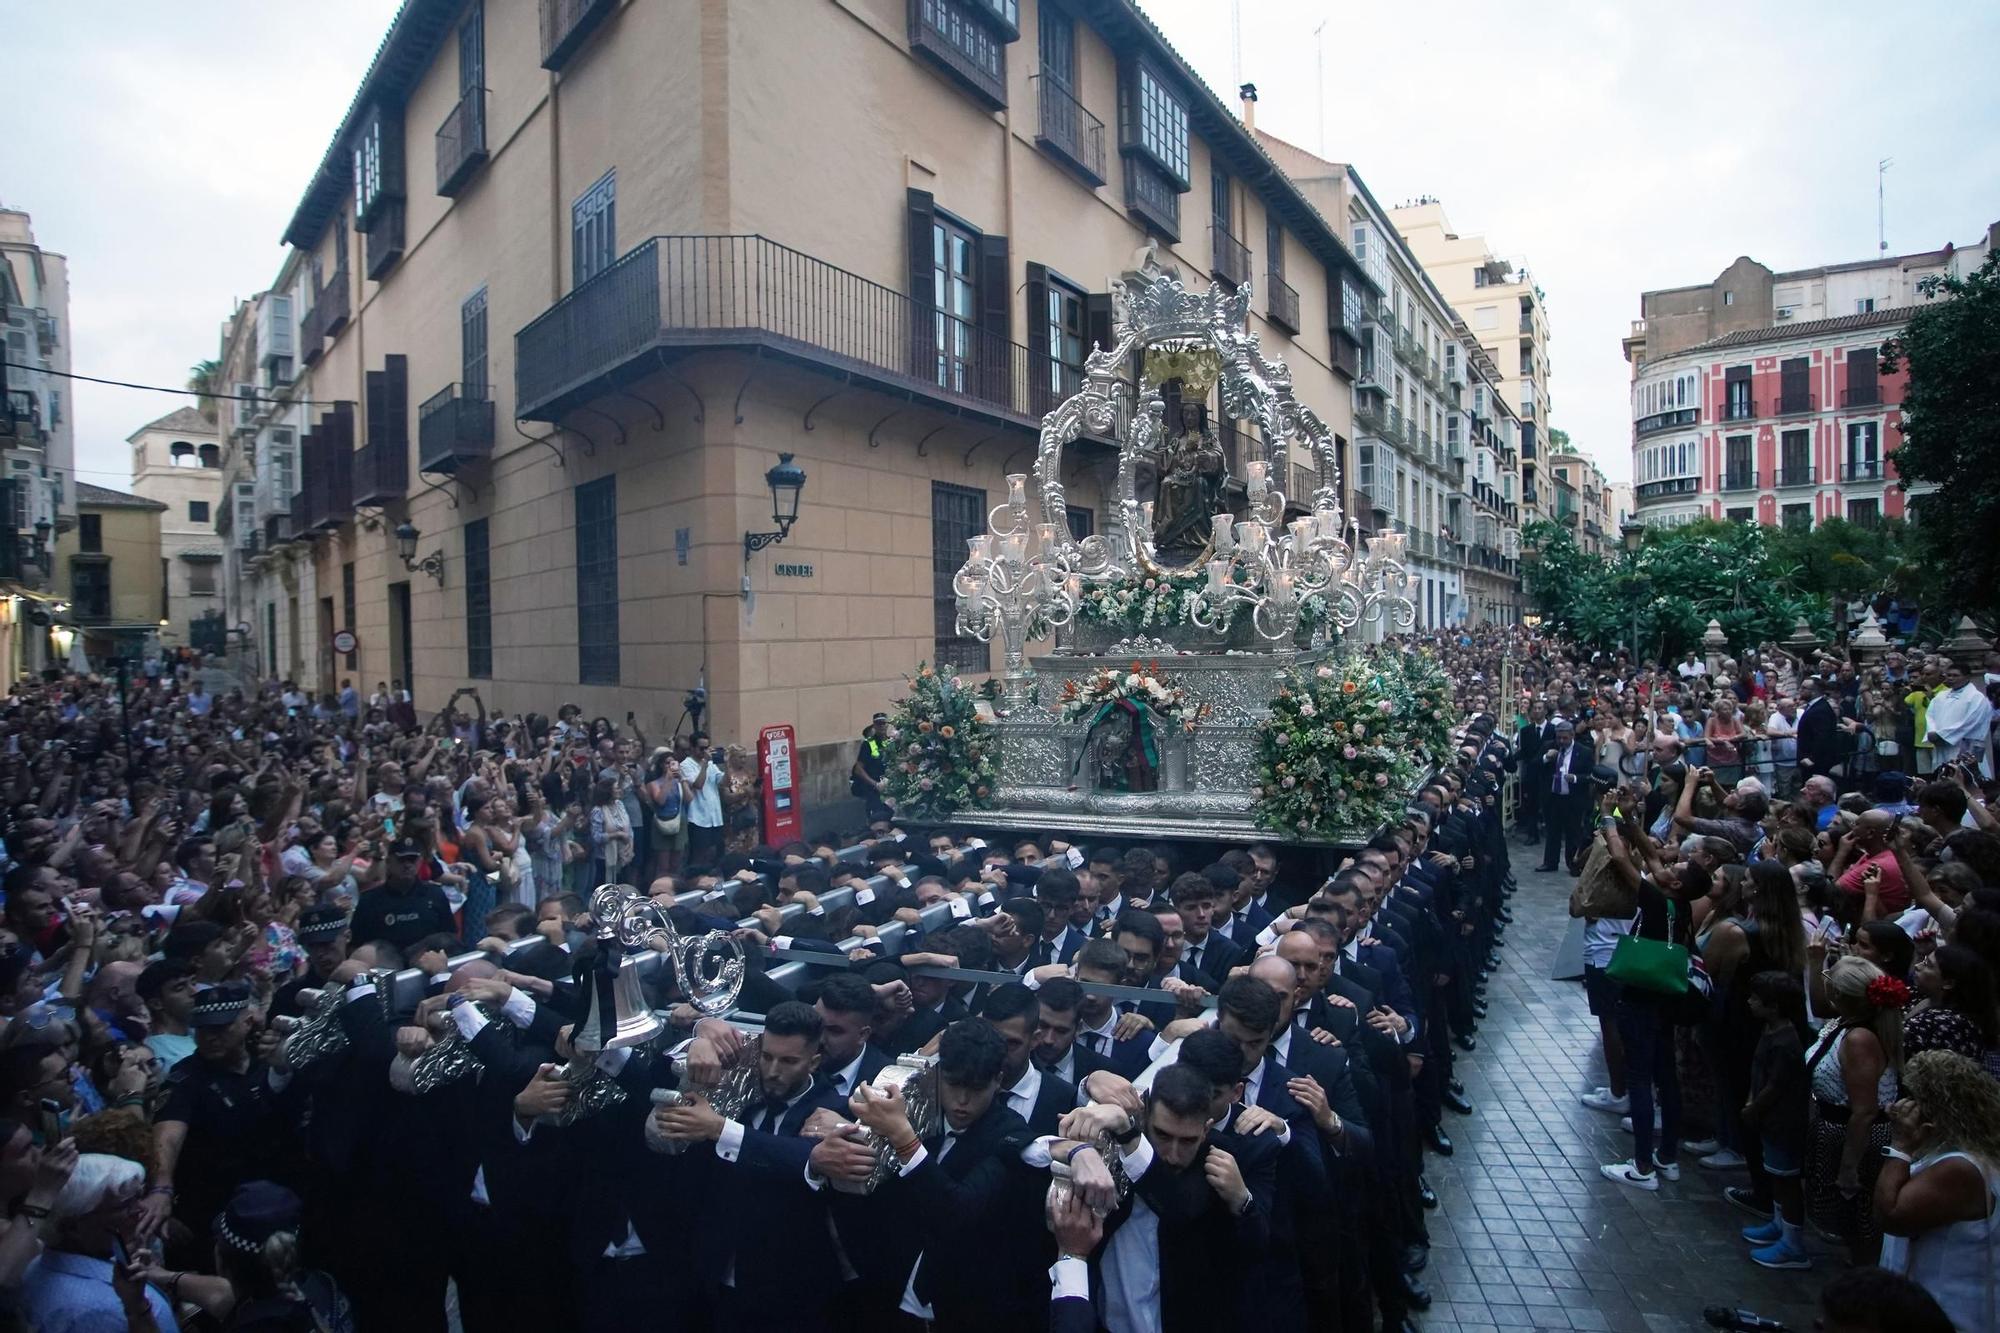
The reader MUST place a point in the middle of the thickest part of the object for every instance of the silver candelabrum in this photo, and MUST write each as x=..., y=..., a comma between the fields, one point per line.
x=1019, y=579
x=1271, y=568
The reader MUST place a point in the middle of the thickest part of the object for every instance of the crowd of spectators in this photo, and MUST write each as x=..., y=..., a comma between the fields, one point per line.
x=1235, y=1059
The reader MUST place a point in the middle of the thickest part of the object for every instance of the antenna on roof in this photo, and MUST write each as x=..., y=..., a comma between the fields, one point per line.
x=1881, y=235
x=1236, y=37
x=1319, y=40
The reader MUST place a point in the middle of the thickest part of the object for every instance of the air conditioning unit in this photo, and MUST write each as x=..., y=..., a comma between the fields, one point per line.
x=1785, y=312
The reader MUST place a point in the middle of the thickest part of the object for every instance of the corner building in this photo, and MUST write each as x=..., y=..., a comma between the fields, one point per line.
x=572, y=276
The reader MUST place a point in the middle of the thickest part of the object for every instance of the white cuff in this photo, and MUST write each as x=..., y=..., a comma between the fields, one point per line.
x=1069, y=1277
x=359, y=991
x=730, y=1143
x=1138, y=1158
x=520, y=1008
x=471, y=1019
x=781, y=941
x=612, y=1063
x=916, y=1160
x=1267, y=937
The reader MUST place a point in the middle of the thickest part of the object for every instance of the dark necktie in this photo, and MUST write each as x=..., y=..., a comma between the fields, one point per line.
x=1096, y=1040
x=1194, y=956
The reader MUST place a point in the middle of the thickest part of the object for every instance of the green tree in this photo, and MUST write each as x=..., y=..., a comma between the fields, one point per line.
x=203, y=379
x=1845, y=562
x=1951, y=433
x=1558, y=441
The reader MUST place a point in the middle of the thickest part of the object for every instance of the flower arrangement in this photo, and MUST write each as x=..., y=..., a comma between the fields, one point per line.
x=1422, y=696
x=1152, y=601
x=941, y=758
x=1141, y=685
x=1333, y=755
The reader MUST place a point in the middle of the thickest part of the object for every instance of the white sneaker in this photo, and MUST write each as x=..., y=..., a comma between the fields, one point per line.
x=1628, y=1173
x=1666, y=1170
x=1725, y=1160
x=1600, y=1099
x=1701, y=1147
x=1625, y=1123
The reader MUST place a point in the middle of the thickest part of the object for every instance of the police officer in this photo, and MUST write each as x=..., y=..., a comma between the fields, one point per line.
x=224, y=1122
x=403, y=908
x=323, y=931
x=871, y=762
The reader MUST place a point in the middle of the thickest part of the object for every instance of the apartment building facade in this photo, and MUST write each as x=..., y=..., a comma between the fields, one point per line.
x=37, y=437
x=177, y=461
x=1759, y=397
x=1507, y=313
x=560, y=297
x=1582, y=499
x=108, y=577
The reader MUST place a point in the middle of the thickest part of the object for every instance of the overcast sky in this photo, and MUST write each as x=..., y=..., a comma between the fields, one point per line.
x=1611, y=147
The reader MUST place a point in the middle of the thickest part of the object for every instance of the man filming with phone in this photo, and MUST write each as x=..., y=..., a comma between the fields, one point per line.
x=702, y=770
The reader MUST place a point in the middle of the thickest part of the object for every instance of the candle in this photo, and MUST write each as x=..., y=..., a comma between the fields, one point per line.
x=1221, y=538
x=1377, y=547
x=1256, y=471
x=1302, y=530
x=1252, y=535
x=1146, y=516
x=1281, y=591
x=1073, y=585
x=1015, y=547
x=1329, y=523
x=1045, y=536
x=980, y=549
x=1017, y=490
x=1216, y=570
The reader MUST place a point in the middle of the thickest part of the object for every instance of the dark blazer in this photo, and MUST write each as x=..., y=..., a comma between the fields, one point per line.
x=1219, y=953
x=873, y=1062
x=1580, y=764
x=1128, y=1058
x=1818, y=727
x=920, y=1027
x=758, y=1212
x=1242, y=928
x=1072, y=1314
x=1055, y=1099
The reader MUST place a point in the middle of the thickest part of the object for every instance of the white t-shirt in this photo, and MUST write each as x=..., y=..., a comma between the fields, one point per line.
x=1600, y=939
x=704, y=810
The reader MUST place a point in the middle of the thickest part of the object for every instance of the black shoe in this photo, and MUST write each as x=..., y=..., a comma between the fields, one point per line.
x=1493, y=962
x=1438, y=1141
x=1457, y=1085
x=1546, y=870
x=1466, y=1041
x=1479, y=1008
x=1747, y=1201
x=1415, y=1257
x=1504, y=917
x=1415, y=1292
x=1404, y=1325
x=1456, y=1101
x=1425, y=1194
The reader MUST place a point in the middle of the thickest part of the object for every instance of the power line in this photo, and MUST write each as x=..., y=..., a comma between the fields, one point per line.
x=183, y=392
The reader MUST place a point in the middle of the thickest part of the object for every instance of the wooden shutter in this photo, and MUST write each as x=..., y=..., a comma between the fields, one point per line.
x=995, y=353
x=1041, y=376
x=920, y=217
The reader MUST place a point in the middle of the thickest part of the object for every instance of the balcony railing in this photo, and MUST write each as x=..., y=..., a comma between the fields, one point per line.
x=1861, y=395
x=328, y=316
x=1800, y=475
x=1739, y=479
x=687, y=292
x=567, y=24
x=1796, y=404
x=1738, y=409
x=454, y=428
x=1232, y=258
x=1153, y=197
x=1861, y=469
x=1371, y=414
x=21, y=418
x=952, y=36
x=381, y=472
x=1660, y=490
x=1067, y=131
x=1659, y=421
x=1527, y=323
x=461, y=142
x=1410, y=351
x=1283, y=299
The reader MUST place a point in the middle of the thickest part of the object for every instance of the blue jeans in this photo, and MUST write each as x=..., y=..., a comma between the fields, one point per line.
x=1649, y=1072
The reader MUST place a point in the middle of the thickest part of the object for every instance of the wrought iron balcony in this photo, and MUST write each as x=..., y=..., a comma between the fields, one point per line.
x=1659, y=421
x=461, y=142
x=1861, y=469
x=1796, y=404
x=1861, y=395
x=454, y=428
x=567, y=24
x=1283, y=302
x=683, y=293
x=1739, y=479
x=385, y=237
x=1800, y=475
x=1231, y=263
x=381, y=472
x=955, y=36
x=1738, y=409
x=1066, y=130
x=1659, y=490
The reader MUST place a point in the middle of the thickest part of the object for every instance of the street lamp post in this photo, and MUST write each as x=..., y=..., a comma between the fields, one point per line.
x=1633, y=534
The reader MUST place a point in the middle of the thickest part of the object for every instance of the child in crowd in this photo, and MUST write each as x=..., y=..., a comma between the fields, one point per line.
x=1777, y=1110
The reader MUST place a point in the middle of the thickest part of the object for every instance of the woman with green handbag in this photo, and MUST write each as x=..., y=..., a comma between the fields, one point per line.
x=1651, y=965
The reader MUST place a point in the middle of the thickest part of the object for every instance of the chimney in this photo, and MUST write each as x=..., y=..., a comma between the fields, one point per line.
x=1248, y=92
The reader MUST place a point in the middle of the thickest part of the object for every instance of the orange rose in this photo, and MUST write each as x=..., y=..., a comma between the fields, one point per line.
x=924, y=726
x=1348, y=687
x=946, y=732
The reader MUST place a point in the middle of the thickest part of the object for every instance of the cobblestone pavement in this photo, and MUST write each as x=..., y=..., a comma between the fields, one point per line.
x=1528, y=1234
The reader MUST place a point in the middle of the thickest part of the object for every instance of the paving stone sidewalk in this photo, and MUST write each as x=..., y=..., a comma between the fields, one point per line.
x=1528, y=1234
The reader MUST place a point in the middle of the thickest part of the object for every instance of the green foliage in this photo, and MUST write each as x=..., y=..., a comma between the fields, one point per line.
x=1678, y=580
x=941, y=761
x=204, y=380
x=1335, y=754
x=1951, y=433
x=1845, y=561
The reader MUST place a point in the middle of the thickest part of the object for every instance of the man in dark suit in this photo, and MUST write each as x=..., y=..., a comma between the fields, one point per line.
x=1819, y=732
x=1036, y=1095
x=1206, y=954
x=1566, y=766
x=968, y=1210
x=759, y=1218
x=1529, y=743
x=1204, y=1214
x=1057, y=891
x=846, y=1006
x=1098, y=1022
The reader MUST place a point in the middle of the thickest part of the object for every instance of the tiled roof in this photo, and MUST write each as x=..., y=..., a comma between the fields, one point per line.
x=103, y=497
x=183, y=420
x=1812, y=328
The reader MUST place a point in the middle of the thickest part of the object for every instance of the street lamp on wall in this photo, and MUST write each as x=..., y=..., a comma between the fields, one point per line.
x=786, y=481
x=406, y=547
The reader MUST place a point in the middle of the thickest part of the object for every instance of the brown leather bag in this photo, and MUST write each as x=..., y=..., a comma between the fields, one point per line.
x=1601, y=891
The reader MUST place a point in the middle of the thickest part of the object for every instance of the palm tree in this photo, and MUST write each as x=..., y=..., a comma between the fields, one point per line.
x=203, y=377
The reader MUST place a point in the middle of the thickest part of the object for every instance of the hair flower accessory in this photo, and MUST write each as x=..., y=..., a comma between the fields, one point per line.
x=1888, y=993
